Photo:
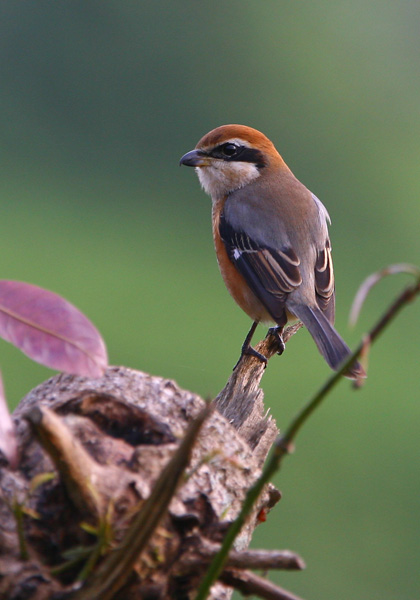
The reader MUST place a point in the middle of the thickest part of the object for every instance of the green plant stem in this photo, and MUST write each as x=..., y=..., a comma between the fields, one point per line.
x=18, y=514
x=251, y=497
x=404, y=298
x=282, y=445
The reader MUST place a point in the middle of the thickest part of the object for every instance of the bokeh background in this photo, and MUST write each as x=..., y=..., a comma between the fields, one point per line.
x=98, y=102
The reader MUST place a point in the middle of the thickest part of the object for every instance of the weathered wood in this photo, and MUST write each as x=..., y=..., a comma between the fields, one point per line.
x=241, y=401
x=107, y=441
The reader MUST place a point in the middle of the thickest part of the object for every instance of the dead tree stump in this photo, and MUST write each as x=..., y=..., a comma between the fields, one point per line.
x=91, y=452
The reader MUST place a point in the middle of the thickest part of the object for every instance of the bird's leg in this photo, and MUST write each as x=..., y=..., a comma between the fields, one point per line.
x=277, y=332
x=248, y=349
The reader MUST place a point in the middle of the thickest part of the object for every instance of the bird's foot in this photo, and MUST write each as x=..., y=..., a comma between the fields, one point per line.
x=248, y=350
x=277, y=332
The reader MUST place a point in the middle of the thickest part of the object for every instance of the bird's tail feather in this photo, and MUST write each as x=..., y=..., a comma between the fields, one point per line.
x=332, y=347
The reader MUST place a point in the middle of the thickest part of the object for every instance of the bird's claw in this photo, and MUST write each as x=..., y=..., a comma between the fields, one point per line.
x=250, y=351
x=277, y=332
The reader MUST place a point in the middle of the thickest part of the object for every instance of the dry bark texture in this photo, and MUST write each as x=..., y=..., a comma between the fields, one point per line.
x=106, y=441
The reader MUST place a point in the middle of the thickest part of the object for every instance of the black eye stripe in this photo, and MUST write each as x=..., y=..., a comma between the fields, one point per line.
x=239, y=154
x=252, y=155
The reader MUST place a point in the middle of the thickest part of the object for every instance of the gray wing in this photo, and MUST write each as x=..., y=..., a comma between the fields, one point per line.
x=273, y=273
x=270, y=273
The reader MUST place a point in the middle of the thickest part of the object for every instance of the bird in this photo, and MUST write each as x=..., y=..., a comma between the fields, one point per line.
x=271, y=239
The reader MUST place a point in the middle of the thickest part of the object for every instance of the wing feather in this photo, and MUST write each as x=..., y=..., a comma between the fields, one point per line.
x=324, y=282
x=271, y=273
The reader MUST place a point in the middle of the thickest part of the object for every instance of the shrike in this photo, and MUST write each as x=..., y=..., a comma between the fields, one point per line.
x=271, y=238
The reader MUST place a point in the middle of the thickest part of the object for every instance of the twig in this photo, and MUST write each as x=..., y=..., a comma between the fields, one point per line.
x=245, y=559
x=283, y=444
x=74, y=464
x=375, y=278
x=249, y=583
x=265, y=559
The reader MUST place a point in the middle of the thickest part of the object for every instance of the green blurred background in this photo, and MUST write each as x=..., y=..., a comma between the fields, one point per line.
x=98, y=102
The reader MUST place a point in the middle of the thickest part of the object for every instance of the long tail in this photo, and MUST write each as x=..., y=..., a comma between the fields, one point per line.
x=332, y=347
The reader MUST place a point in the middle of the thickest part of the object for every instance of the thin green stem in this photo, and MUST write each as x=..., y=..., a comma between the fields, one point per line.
x=251, y=497
x=300, y=419
x=18, y=514
x=283, y=443
x=404, y=298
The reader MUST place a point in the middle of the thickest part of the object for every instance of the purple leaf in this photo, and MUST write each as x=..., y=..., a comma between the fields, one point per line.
x=8, y=443
x=50, y=330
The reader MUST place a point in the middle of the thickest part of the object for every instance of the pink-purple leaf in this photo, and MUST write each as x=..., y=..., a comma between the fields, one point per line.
x=8, y=443
x=50, y=330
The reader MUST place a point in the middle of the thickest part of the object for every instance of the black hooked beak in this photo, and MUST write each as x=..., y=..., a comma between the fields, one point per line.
x=195, y=158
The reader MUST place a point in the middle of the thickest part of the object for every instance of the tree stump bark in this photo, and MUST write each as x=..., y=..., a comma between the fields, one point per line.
x=104, y=443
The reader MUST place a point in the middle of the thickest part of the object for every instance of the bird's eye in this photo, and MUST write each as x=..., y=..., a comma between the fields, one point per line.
x=229, y=149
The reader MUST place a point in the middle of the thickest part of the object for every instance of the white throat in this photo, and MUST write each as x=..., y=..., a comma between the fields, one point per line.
x=223, y=177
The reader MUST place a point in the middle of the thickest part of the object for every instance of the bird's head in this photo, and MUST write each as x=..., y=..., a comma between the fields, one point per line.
x=229, y=157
